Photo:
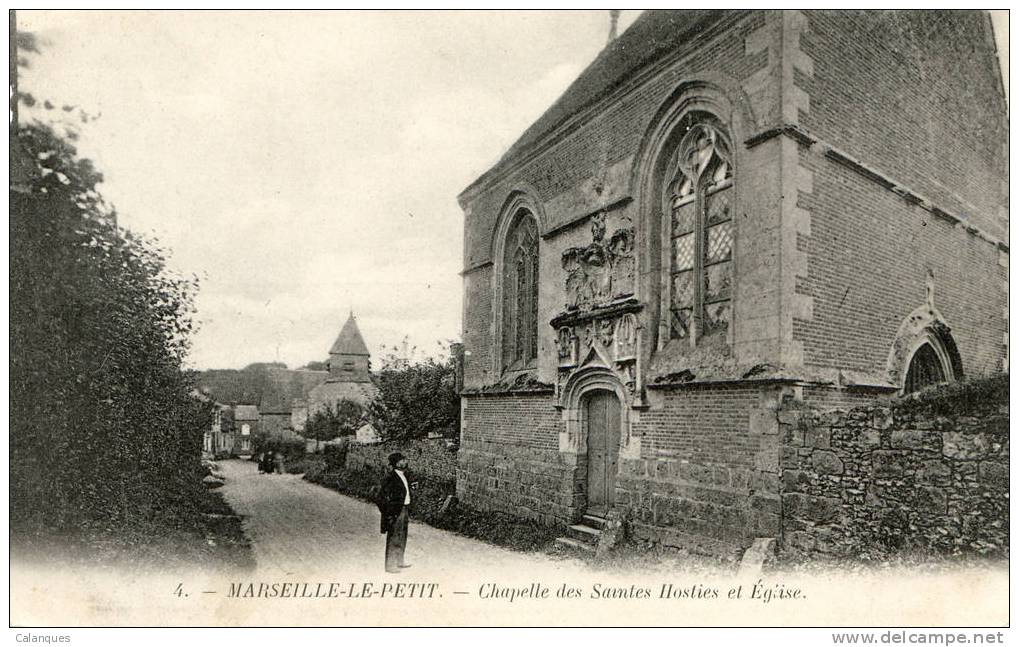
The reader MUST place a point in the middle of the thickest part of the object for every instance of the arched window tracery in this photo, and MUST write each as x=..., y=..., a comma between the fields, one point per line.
x=698, y=200
x=520, y=294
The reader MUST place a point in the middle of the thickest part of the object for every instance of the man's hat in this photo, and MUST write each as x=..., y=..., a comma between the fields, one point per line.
x=395, y=458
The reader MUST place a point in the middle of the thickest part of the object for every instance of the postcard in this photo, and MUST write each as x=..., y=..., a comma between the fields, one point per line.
x=681, y=318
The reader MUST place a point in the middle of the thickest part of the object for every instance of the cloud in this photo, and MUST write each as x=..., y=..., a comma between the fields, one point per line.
x=307, y=163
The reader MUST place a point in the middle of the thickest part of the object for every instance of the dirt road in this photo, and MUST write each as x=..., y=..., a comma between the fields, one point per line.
x=298, y=528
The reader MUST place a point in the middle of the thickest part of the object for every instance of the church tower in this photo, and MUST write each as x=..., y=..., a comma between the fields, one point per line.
x=348, y=357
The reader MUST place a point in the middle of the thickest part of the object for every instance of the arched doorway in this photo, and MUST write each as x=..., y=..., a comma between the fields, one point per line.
x=602, y=423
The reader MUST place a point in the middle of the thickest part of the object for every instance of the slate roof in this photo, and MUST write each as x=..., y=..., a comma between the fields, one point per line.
x=653, y=34
x=350, y=341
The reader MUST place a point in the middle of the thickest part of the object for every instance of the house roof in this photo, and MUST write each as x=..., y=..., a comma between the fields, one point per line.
x=653, y=34
x=331, y=392
x=284, y=386
x=350, y=341
x=245, y=412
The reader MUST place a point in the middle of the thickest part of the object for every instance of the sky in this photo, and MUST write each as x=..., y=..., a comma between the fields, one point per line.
x=304, y=165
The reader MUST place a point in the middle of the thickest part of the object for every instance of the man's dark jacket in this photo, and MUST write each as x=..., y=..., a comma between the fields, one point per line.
x=392, y=494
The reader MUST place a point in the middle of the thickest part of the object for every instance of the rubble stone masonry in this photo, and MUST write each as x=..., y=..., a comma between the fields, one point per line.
x=929, y=475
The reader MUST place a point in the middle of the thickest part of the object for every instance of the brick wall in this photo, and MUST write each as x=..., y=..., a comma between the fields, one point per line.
x=916, y=94
x=707, y=478
x=509, y=459
x=587, y=169
x=929, y=476
x=611, y=136
x=869, y=252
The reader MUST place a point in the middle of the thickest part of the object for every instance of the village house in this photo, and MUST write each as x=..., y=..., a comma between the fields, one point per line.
x=727, y=215
x=276, y=402
x=247, y=425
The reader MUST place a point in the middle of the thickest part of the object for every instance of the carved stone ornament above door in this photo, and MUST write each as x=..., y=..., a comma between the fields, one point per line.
x=601, y=272
x=601, y=338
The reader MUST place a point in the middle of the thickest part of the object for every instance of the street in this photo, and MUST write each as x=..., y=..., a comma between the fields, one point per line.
x=298, y=528
x=319, y=561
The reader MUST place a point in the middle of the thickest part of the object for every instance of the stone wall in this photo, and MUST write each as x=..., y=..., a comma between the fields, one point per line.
x=526, y=482
x=928, y=474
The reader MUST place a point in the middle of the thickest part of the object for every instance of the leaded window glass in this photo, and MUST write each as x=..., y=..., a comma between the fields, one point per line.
x=520, y=294
x=699, y=202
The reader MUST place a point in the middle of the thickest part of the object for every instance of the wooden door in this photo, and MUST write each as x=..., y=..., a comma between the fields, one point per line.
x=601, y=419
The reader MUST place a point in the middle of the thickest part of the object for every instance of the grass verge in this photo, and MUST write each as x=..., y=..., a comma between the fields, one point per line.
x=428, y=497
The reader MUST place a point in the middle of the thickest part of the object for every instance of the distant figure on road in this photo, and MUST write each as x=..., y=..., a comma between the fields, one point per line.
x=269, y=465
x=394, y=504
x=278, y=462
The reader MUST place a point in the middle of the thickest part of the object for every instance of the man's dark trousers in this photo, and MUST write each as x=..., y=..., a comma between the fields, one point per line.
x=396, y=540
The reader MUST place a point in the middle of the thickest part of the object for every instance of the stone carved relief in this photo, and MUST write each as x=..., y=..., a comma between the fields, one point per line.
x=566, y=344
x=602, y=271
x=606, y=330
x=626, y=338
x=611, y=340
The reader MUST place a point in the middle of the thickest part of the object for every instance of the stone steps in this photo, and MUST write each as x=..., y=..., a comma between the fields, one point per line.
x=574, y=546
x=582, y=538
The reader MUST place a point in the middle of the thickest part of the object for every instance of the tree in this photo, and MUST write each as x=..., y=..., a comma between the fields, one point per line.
x=341, y=419
x=104, y=427
x=415, y=398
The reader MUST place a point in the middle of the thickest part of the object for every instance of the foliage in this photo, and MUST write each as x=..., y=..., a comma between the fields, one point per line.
x=959, y=398
x=310, y=465
x=415, y=398
x=290, y=449
x=428, y=497
x=104, y=427
x=335, y=455
x=340, y=419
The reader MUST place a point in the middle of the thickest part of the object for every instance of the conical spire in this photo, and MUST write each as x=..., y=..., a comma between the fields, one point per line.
x=350, y=341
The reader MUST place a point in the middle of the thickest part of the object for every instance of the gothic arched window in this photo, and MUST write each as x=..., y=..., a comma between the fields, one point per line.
x=699, y=199
x=926, y=368
x=520, y=293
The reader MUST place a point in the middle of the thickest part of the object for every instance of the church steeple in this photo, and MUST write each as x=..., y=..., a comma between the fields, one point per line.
x=348, y=357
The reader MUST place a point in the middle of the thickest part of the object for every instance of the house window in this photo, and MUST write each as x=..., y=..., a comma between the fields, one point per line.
x=520, y=294
x=245, y=429
x=699, y=201
x=926, y=368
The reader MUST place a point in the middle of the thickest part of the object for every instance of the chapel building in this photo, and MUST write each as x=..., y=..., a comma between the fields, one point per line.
x=727, y=214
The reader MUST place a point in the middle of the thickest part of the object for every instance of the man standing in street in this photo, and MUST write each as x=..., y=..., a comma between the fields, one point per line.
x=394, y=504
